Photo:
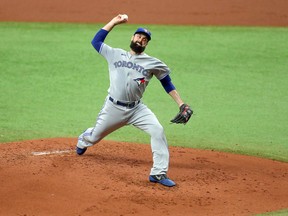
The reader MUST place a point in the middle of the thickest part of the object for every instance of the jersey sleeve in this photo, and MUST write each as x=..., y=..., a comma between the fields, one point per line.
x=102, y=48
x=167, y=84
x=99, y=39
x=160, y=69
x=106, y=51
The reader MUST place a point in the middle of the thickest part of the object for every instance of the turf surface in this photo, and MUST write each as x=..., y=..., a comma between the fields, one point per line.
x=53, y=83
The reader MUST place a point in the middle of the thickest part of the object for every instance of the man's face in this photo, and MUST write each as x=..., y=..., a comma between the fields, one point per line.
x=139, y=43
x=140, y=39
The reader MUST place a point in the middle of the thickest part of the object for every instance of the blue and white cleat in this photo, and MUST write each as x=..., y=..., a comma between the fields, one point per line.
x=162, y=179
x=80, y=151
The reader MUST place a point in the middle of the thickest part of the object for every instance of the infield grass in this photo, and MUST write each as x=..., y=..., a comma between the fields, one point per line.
x=53, y=84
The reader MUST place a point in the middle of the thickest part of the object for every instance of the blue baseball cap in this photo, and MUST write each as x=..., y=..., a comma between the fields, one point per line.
x=144, y=31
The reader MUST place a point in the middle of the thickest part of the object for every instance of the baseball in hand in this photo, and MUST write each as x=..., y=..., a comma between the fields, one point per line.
x=124, y=17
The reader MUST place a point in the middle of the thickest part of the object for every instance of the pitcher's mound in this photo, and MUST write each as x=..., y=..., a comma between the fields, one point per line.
x=46, y=177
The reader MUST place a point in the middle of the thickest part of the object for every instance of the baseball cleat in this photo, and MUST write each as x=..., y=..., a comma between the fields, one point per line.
x=162, y=179
x=80, y=151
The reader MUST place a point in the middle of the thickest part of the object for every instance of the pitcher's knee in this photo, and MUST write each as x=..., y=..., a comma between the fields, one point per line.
x=157, y=131
x=92, y=139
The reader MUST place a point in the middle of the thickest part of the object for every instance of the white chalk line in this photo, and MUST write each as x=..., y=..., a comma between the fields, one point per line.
x=50, y=152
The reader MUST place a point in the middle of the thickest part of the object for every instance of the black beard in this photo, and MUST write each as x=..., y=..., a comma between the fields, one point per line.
x=136, y=48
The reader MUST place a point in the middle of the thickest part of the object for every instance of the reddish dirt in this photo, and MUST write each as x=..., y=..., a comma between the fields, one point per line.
x=112, y=177
x=196, y=12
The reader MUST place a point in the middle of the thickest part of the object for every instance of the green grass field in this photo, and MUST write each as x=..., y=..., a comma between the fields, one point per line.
x=53, y=83
x=277, y=213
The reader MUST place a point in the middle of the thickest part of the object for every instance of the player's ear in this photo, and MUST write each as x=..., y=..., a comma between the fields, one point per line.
x=132, y=37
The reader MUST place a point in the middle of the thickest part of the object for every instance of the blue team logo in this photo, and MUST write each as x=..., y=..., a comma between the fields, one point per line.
x=140, y=80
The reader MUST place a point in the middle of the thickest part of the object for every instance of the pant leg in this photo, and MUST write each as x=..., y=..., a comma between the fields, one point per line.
x=109, y=119
x=144, y=119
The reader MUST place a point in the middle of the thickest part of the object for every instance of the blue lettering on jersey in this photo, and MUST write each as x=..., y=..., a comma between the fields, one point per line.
x=129, y=65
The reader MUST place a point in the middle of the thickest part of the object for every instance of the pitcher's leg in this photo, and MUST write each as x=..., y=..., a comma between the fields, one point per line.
x=109, y=119
x=146, y=120
x=81, y=142
x=160, y=150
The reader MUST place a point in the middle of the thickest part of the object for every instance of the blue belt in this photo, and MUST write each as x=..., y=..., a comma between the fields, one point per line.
x=128, y=105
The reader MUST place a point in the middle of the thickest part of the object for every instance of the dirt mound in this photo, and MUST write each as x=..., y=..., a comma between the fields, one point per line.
x=46, y=177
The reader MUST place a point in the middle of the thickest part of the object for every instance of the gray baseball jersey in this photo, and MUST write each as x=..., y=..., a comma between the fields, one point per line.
x=130, y=74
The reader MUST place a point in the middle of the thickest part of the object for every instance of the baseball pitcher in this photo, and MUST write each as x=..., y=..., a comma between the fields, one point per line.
x=130, y=73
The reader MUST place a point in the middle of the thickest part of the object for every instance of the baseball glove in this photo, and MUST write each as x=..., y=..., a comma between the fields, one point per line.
x=184, y=115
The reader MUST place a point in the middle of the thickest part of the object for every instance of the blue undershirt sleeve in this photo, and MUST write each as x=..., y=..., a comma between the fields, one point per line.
x=167, y=84
x=99, y=39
